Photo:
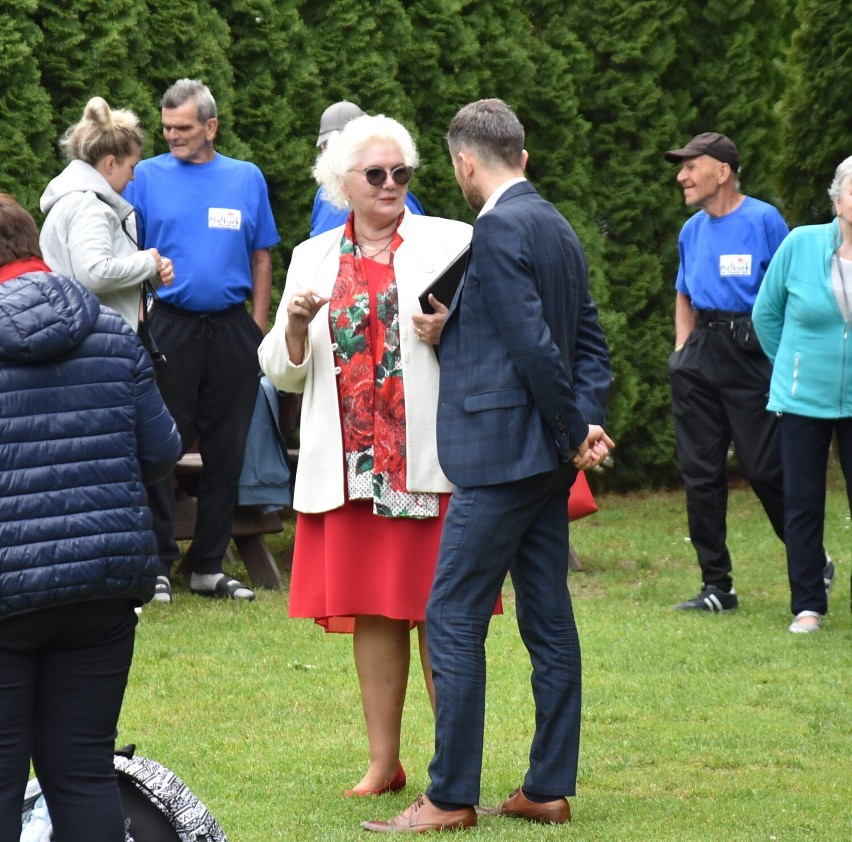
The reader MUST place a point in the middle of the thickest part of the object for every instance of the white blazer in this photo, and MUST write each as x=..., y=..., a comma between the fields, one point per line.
x=429, y=244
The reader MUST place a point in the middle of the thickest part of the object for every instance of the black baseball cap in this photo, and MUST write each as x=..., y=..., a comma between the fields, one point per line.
x=716, y=145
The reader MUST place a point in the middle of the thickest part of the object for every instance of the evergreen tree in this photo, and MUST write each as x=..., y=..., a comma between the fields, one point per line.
x=486, y=52
x=94, y=48
x=636, y=202
x=190, y=40
x=816, y=109
x=558, y=139
x=440, y=75
x=25, y=128
x=503, y=31
x=357, y=51
x=602, y=89
x=277, y=114
x=558, y=136
x=729, y=69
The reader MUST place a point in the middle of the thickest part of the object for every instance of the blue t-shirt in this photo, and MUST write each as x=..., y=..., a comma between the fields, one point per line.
x=326, y=216
x=208, y=218
x=723, y=258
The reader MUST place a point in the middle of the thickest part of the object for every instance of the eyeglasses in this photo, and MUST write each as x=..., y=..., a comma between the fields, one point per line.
x=378, y=175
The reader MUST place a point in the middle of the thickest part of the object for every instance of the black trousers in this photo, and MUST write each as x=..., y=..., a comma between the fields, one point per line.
x=212, y=383
x=719, y=395
x=63, y=673
x=805, y=445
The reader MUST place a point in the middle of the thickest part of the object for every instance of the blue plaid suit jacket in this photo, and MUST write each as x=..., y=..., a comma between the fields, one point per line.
x=524, y=363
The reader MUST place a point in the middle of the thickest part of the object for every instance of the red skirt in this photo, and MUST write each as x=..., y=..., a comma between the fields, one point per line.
x=349, y=561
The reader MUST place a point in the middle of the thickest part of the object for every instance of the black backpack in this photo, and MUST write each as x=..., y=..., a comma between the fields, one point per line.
x=158, y=806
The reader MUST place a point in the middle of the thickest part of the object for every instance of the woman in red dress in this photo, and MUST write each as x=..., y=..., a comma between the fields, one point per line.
x=351, y=337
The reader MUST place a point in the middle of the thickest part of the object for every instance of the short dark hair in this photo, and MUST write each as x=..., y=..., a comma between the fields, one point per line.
x=18, y=232
x=490, y=130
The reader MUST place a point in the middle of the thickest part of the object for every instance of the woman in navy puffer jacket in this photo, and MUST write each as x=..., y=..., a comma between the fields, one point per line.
x=83, y=427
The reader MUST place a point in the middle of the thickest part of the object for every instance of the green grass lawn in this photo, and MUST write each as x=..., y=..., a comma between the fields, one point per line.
x=696, y=727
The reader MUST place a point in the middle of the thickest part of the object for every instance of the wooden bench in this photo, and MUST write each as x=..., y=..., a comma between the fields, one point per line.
x=251, y=523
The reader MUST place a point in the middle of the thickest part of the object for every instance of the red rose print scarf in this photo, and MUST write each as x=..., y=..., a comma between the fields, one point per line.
x=370, y=386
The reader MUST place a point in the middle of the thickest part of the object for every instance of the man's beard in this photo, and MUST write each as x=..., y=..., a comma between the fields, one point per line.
x=473, y=196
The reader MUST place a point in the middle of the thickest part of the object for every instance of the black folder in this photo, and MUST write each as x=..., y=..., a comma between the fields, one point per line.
x=445, y=285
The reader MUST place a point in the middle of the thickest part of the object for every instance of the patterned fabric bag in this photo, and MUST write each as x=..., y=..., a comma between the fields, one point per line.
x=158, y=805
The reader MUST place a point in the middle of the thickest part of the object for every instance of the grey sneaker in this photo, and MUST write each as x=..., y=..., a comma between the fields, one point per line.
x=163, y=589
x=711, y=598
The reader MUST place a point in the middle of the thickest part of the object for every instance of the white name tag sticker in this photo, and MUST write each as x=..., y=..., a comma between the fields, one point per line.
x=224, y=218
x=734, y=264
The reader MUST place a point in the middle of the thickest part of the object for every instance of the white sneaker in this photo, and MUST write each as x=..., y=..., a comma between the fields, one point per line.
x=806, y=622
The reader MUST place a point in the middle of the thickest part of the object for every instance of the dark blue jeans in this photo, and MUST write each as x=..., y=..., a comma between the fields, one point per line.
x=63, y=672
x=804, y=453
x=522, y=528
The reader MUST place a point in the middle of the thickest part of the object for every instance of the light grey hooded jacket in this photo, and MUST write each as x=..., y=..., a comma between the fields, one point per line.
x=83, y=237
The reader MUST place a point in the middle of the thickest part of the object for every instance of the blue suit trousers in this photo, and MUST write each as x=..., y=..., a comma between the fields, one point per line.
x=520, y=528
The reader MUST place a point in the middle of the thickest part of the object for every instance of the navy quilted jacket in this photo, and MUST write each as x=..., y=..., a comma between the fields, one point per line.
x=82, y=426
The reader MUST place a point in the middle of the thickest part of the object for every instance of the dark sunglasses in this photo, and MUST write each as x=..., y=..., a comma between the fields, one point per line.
x=377, y=175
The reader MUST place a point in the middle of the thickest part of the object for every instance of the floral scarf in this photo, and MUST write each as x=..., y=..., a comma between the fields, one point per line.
x=372, y=397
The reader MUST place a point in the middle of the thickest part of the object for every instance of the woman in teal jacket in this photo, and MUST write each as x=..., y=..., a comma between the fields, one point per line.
x=802, y=317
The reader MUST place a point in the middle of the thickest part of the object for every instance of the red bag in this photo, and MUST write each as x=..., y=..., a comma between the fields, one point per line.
x=581, y=502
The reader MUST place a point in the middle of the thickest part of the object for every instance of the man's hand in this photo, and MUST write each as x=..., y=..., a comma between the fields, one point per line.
x=594, y=449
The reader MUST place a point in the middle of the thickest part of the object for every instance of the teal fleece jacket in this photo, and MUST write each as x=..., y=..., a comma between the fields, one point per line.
x=801, y=327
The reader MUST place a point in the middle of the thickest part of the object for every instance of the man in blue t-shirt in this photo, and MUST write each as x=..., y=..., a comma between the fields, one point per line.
x=213, y=215
x=719, y=375
x=325, y=215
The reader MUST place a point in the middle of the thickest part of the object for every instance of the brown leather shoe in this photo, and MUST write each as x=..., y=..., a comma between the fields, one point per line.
x=518, y=806
x=423, y=816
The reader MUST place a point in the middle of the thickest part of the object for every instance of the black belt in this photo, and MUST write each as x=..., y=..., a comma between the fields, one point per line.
x=721, y=318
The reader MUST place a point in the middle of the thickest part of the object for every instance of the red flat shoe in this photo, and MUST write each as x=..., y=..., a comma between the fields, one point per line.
x=395, y=784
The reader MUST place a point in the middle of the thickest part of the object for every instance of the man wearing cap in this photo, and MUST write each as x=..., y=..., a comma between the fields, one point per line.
x=325, y=216
x=719, y=375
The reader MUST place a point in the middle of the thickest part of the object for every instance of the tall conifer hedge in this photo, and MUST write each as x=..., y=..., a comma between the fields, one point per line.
x=816, y=108
x=602, y=89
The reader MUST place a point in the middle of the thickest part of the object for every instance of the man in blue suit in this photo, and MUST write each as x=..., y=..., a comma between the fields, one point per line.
x=524, y=378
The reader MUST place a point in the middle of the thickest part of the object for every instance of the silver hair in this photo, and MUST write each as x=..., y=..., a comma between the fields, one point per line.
x=843, y=171
x=191, y=89
x=345, y=146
